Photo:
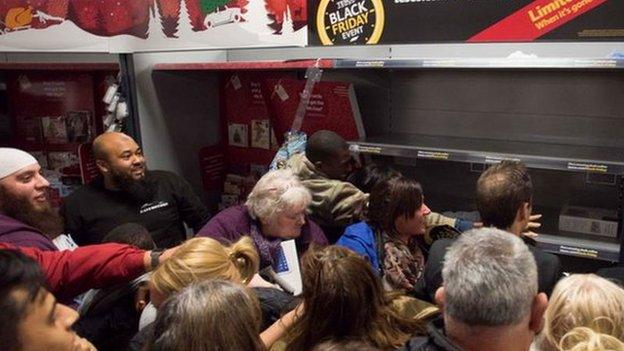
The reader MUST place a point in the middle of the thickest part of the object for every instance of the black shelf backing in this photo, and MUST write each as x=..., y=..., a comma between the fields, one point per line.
x=488, y=151
x=577, y=247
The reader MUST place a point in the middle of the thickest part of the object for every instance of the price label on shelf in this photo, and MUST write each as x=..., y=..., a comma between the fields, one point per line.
x=370, y=64
x=370, y=149
x=436, y=155
x=577, y=251
x=494, y=160
x=590, y=167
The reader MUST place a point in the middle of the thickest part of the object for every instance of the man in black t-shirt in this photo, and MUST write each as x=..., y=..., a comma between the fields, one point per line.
x=127, y=192
x=504, y=200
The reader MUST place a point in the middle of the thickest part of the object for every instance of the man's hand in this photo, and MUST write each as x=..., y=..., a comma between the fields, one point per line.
x=258, y=282
x=166, y=254
x=278, y=329
x=147, y=259
x=533, y=224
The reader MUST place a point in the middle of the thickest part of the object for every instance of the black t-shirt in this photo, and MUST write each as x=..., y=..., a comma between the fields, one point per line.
x=92, y=210
x=436, y=339
x=548, y=268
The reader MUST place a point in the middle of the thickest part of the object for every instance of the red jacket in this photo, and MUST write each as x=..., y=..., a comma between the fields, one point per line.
x=70, y=273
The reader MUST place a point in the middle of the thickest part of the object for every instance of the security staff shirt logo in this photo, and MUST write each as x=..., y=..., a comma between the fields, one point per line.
x=350, y=22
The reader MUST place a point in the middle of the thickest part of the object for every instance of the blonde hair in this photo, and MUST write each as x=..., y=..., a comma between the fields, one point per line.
x=583, y=300
x=203, y=258
x=586, y=339
x=275, y=192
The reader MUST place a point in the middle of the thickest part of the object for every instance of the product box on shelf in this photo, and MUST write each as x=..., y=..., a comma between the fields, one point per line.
x=588, y=220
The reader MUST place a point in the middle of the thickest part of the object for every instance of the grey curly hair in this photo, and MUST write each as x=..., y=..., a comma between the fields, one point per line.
x=275, y=192
x=490, y=278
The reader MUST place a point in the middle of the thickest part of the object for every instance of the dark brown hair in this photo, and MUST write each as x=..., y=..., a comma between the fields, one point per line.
x=366, y=178
x=343, y=299
x=396, y=197
x=501, y=191
x=17, y=272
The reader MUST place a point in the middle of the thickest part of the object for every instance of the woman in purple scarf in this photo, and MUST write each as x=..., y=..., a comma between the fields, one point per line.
x=275, y=210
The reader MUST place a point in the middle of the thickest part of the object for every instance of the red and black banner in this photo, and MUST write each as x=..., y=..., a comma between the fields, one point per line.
x=345, y=22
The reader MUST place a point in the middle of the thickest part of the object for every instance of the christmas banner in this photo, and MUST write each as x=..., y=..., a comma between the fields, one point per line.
x=356, y=22
x=150, y=25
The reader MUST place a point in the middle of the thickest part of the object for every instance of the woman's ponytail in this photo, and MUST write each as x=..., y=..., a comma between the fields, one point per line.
x=245, y=258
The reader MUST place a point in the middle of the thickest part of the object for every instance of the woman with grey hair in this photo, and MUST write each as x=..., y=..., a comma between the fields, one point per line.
x=194, y=319
x=275, y=210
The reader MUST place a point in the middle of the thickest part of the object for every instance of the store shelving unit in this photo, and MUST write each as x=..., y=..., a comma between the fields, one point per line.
x=535, y=155
x=556, y=155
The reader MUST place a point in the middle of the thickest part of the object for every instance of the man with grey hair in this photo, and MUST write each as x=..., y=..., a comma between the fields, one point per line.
x=489, y=297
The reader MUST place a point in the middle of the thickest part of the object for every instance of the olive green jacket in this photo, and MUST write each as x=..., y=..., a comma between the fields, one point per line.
x=334, y=202
x=339, y=203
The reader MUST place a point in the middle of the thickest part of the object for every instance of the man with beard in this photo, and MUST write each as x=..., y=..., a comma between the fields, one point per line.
x=26, y=216
x=127, y=192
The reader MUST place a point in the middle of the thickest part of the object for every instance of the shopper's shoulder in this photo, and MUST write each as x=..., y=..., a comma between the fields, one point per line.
x=84, y=193
x=230, y=222
x=420, y=343
x=544, y=257
x=441, y=245
x=358, y=229
x=341, y=189
x=233, y=211
x=232, y=216
x=10, y=225
x=160, y=174
x=166, y=179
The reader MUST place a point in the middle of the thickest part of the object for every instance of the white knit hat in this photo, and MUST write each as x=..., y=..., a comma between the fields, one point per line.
x=12, y=160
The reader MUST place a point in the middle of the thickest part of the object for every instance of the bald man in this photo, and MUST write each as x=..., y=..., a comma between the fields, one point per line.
x=128, y=192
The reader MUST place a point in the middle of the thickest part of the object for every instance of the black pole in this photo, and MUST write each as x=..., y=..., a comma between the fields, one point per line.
x=131, y=125
x=620, y=208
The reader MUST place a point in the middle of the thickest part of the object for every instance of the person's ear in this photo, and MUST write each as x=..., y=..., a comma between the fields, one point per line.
x=265, y=222
x=318, y=164
x=524, y=212
x=439, y=298
x=526, y=206
x=538, y=308
x=102, y=166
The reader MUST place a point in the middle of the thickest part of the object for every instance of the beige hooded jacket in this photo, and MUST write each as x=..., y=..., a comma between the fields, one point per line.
x=340, y=203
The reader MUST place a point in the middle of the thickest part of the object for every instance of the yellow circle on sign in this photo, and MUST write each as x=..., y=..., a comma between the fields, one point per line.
x=379, y=22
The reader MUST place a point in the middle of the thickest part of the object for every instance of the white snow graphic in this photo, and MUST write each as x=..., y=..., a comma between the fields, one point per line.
x=252, y=30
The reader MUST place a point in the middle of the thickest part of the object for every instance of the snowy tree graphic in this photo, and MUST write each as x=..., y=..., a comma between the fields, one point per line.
x=155, y=28
x=287, y=24
x=257, y=18
x=185, y=27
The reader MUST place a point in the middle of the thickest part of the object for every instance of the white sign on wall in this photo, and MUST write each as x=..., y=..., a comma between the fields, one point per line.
x=150, y=25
